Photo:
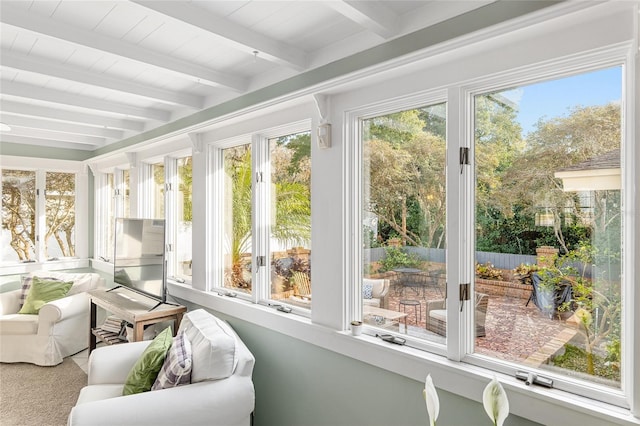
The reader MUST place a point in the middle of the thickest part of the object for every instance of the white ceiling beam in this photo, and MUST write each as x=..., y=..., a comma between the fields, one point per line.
x=7, y=137
x=40, y=24
x=375, y=17
x=38, y=93
x=58, y=126
x=47, y=67
x=52, y=113
x=57, y=136
x=231, y=34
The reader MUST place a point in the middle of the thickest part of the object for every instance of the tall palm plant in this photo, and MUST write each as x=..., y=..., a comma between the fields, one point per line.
x=292, y=224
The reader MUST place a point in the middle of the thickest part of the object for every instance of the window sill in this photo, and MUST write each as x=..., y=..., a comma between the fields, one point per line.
x=456, y=377
x=53, y=265
x=102, y=266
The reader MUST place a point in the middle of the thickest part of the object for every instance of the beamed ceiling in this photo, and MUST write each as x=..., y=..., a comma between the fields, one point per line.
x=86, y=74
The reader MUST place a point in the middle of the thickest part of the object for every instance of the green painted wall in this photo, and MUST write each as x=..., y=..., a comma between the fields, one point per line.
x=299, y=384
x=24, y=150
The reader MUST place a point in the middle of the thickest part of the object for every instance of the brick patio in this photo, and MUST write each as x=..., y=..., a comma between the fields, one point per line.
x=514, y=332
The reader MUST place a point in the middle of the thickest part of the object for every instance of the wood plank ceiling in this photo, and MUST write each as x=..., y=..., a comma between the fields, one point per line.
x=85, y=74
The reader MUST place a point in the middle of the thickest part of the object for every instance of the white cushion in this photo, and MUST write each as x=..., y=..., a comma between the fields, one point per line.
x=439, y=314
x=18, y=324
x=98, y=393
x=81, y=281
x=213, y=346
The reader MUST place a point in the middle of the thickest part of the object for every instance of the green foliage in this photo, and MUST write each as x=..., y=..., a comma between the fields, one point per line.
x=574, y=358
x=526, y=269
x=396, y=128
x=395, y=258
x=596, y=303
x=488, y=271
x=290, y=191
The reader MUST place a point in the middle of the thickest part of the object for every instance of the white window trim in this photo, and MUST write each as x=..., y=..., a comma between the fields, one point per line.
x=41, y=166
x=459, y=378
x=102, y=196
x=261, y=219
x=595, y=60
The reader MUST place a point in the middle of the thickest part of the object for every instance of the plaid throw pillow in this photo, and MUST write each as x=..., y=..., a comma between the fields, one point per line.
x=26, y=286
x=176, y=369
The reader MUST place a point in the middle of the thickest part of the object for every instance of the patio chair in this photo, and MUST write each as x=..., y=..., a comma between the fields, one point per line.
x=378, y=294
x=436, y=315
x=301, y=285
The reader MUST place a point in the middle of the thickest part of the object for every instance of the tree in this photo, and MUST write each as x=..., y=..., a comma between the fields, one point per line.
x=19, y=211
x=405, y=165
x=291, y=193
x=555, y=144
x=185, y=172
x=60, y=211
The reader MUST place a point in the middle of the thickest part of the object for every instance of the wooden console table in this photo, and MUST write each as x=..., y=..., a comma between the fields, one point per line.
x=133, y=308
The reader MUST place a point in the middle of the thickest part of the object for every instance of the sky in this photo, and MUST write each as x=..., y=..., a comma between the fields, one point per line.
x=555, y=98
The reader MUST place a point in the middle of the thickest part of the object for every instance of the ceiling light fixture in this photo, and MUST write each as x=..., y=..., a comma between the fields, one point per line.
x=5, y=127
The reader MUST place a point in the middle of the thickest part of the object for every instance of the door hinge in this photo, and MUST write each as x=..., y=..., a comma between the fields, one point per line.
x=261, y=261
x=167, y=187
x=169, y=247
x=464, y=293
x=258, y=176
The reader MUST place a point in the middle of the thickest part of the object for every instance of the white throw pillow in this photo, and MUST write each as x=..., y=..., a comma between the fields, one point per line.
x=82, y=281
x=213, y=346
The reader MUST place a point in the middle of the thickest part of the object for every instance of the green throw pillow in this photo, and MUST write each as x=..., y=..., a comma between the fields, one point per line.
x=147, y=367
x=43, y=291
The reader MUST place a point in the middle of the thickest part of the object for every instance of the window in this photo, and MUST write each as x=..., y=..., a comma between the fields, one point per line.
x=35, y=227
x=290, y=236
x=124, y=205
x=403, y=222
x=179, y=216
x=548, y=227
x=184, y=218
x=60, y=200
x=542, y=244
x=157, y=177
x=237, y=218
x=18, y=215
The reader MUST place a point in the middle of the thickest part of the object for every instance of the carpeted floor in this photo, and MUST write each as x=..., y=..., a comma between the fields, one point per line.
x=43, y=396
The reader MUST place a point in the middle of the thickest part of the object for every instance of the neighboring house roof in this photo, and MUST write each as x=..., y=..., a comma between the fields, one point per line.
x=609, y=160
x=595, y=174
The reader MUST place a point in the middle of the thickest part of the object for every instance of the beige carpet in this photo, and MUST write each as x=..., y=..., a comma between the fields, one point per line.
x=42, y=396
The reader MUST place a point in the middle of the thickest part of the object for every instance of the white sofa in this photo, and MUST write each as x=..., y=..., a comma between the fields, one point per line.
x=60, y=329
x=221, y=391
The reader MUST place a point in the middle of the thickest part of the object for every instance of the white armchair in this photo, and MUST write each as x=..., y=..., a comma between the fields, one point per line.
x=225, y=398
x=379, y=292
x=60, y=329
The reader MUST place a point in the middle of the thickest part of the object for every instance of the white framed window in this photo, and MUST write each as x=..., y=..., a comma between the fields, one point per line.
x=41, y=208
x=260, y=209
x=507, y=164
x=178, y=187
x=567, y=297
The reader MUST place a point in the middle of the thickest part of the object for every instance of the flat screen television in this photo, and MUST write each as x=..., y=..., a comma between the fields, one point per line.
x=139, y=258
